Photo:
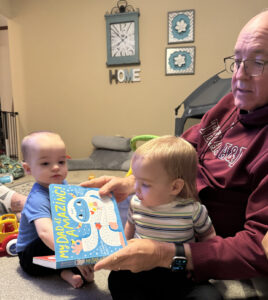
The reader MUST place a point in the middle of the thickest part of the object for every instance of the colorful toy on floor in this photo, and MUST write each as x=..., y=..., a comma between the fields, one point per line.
x=6, y=178
x=9, y=229
x=11, y=166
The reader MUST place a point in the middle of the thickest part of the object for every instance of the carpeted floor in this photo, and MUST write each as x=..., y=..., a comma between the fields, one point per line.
x=15, y=284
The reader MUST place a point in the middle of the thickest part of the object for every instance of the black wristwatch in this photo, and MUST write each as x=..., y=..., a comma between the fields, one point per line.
x=179, y=261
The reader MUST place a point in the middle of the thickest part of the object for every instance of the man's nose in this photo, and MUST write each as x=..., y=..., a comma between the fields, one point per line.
x=241, y=71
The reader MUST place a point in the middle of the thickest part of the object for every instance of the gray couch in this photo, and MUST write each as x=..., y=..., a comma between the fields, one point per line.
x=110, y=153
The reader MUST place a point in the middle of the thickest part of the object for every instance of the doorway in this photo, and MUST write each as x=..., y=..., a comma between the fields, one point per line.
x=8, y=124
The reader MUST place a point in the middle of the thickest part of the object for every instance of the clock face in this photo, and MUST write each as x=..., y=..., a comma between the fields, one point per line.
x=122, y=39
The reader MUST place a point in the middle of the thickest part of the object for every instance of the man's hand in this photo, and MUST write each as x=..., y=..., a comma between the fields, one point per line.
x=139, y=255
x=265, y=244
x=120, y=187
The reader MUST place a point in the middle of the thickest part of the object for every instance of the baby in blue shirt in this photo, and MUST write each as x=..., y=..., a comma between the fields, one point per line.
x=44, y=155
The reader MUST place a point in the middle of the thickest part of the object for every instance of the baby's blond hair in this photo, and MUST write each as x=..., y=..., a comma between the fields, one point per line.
x=28, y=140
x=177, y=156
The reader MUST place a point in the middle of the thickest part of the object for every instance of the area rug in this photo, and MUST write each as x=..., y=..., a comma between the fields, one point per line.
x=22, y=188
x=25, y=187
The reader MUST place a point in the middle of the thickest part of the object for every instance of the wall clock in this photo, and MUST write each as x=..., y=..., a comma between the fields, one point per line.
x=122, y=37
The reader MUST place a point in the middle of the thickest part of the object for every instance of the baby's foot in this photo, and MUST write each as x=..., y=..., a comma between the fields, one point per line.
x=75, y=280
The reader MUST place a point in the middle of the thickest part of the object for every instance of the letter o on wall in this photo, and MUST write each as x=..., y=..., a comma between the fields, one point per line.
x=121, y=75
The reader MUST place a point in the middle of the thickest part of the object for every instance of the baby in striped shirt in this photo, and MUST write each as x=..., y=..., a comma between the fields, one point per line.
x=166, y=205
x=165, y=208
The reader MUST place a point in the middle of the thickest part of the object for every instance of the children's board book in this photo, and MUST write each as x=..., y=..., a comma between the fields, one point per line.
x=86, y=227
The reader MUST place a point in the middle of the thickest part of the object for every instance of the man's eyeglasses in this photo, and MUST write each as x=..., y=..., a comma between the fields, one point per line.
x=251, y=67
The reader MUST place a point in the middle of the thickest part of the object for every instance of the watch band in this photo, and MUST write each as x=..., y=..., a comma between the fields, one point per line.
x=179, y=250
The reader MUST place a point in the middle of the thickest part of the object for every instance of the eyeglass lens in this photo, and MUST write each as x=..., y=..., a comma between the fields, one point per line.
x=251, y=67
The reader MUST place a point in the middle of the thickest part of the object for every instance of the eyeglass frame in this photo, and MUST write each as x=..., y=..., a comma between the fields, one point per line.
x=262, y=62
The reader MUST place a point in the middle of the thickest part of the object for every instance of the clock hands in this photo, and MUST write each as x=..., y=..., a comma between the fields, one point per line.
x=122, y=39
x=120, y=34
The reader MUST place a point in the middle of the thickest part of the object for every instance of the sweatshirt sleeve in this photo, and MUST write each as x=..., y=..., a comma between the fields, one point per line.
x=240, y=256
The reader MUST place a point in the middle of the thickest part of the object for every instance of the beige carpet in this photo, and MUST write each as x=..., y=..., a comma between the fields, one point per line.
x=15, y=284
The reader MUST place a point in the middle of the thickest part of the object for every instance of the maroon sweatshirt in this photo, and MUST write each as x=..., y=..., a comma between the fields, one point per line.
x=232, y=182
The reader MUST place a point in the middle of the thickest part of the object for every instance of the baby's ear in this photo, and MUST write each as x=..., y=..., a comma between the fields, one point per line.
x=26, y=168
x=177, y=186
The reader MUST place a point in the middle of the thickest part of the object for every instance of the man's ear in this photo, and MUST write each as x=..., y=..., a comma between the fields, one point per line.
x=26, y=168
x=177, y=186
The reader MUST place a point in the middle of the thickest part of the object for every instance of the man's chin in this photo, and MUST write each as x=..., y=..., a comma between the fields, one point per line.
x=242, y=104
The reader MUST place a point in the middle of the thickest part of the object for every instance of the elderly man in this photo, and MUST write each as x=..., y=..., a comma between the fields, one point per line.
x=231, y=141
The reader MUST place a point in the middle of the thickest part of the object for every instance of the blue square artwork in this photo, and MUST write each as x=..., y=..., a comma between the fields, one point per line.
x=181, y=26
x=180, y=60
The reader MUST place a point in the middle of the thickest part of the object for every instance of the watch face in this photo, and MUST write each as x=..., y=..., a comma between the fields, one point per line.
x=179, y=264
x=122, y=39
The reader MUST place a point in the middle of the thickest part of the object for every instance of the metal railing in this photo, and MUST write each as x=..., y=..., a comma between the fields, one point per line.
x=8, y=134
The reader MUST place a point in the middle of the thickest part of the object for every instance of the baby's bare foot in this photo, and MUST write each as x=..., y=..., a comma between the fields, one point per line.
x=75, y=280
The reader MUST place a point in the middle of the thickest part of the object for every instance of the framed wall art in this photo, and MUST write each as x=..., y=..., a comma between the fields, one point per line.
x=181, y=26
x=180, y=60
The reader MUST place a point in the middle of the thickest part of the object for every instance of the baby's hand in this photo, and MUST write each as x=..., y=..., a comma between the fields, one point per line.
x=87, y=271
x=77, y=247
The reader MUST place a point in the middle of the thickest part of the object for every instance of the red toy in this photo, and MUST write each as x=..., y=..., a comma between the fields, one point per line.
x=9, y=229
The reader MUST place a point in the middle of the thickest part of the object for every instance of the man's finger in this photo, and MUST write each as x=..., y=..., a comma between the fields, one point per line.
x=96, y=182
